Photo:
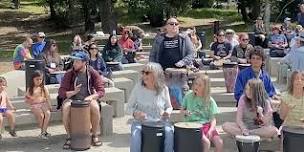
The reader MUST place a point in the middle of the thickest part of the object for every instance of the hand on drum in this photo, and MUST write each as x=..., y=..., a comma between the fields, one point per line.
x=139, y=115
x=77, y=88
x=245, y=132
x=186, y=112
x=180, y=64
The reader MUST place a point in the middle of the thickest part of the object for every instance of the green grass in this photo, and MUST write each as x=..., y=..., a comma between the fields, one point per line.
x=230, y=15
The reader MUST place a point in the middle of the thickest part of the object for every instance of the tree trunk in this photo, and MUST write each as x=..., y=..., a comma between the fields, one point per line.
x=16, y=4
x=52, y=9
x=267, y=15
x=108, y=23
x=87, y=6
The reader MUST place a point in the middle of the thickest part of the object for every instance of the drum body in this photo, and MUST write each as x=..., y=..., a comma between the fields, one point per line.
x=187, y=137
x=153, y=137
x=230, y=73
x=293, y=139
x=80, y=125
x=248, y=143
x=243, y=66
x=114, y=66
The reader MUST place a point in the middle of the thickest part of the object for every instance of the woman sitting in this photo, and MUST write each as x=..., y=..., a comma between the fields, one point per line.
x=97, y=62
x=113, y=53
x=150, y=102
x=254, y=113
x=53, y=62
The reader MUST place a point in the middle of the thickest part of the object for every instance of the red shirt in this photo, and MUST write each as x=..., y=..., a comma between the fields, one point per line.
x=126, y=43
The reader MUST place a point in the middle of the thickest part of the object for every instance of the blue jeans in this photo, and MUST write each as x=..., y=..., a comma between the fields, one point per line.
x=136, y=137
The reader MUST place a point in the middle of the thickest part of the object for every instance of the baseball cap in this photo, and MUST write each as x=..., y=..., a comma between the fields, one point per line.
x=80, y=55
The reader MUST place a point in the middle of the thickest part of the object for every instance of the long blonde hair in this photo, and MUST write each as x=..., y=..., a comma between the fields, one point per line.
x=259, y=94
x=290, y=87
x=206, y=82
x=158, y=74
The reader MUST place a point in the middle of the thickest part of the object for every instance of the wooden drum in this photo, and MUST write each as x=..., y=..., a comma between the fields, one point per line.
x=80, y=125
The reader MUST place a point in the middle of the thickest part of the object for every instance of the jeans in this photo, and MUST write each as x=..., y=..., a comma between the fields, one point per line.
x=136, y=137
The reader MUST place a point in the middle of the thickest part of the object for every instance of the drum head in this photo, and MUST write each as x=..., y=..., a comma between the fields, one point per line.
x=229, y=64
x=248, y=139
x=156, y=124
x=296, y=130
x=112, y=63
x=79, y=103
x=188, y=125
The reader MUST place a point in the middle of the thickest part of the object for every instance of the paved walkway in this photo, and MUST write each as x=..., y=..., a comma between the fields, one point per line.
x=118, y=142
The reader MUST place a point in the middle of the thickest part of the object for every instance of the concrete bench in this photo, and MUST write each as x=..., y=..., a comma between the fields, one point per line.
x=133, y=66
x=273, y=65
x=143, y=61
x=26, y=117
x=124, y=84
x=130, y=74
x=116, y=98
x=14, y=80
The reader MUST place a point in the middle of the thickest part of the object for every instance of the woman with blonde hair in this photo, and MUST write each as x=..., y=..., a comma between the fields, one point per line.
x=150, y=102
x=254, y=113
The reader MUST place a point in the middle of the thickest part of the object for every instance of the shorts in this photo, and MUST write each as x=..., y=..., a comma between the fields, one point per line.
x=205, y=128
x=3, y=109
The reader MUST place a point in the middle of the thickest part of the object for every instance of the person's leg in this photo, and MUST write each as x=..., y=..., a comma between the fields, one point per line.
x=95, y=116
x=205, y=144
x=66, y=116
x=46, y=120
x=218, y=142
x=169, y=138
x=1, y=125
x=265, y=132
x=232, y=128
x=273, y=53
x=11, y=119
x=277, y=120
x=39, y=116
x=135, y=145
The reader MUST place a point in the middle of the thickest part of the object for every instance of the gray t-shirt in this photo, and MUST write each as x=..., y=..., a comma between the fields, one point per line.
x=81, y=78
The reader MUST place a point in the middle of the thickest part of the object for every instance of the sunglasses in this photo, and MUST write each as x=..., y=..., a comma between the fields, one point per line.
x=173, y=24
x=245, y=39
x=93, y=48
x=146, y=72
x=41, y=37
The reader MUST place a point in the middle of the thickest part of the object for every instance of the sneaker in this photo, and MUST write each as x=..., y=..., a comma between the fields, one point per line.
x=43, y=136
x=47, y=134
x=13, y=133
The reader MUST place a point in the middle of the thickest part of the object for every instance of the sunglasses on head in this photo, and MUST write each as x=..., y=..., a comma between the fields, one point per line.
x=173, y=23
x=146, y=72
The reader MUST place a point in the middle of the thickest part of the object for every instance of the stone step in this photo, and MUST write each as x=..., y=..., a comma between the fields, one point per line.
x=124, y=84
x=133, y=66
x=222, y=98
x=114, y=96
x=26, y=117
x=130, y=74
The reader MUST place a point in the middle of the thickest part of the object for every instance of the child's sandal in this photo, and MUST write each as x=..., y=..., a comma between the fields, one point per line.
x=67, y=144
x=96, y=141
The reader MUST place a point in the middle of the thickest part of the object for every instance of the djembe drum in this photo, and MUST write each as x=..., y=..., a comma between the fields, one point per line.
x=293, y=139
x=114, y=66
x=248, y=143
x=153, y=137
x=187, y=137
x=230, y=70
x=243, y=66
x=80, y=125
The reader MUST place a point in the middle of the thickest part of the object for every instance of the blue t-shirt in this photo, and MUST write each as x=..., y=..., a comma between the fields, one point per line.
x=37, y=49
x=278, y=39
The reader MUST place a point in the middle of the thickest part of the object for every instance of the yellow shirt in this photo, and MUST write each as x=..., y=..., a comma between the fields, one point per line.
x=295, y=113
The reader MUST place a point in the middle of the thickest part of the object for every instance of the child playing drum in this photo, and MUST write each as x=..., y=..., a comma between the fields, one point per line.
x=37, y=96
x=254, y=113
x=199, y=106
x=6, y=109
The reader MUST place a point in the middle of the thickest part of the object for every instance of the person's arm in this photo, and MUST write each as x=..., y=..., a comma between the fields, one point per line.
x=266, y=118
x=269, y=87
x=64, y=87
x=154, y=51
x=47, y=97
x=9, y=104
x=60, y=64
x=28, y=98
x=199, y=47
x=189, y=56
x=168, y=106
x=119, y=55
x=239, y=87
x=239, y=115
x=98, y=85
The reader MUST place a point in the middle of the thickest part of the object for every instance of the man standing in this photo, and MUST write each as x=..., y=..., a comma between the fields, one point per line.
x=38, y=47
x=172, y=49
x=81, y=83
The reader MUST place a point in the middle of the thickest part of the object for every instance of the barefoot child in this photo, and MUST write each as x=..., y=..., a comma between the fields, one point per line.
x=37, y=96
x=6, y=109
x=254, y=113
x=199, y=106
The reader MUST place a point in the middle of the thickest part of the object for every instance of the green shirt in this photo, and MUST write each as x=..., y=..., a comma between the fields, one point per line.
x=200, y=110
x=295, y=114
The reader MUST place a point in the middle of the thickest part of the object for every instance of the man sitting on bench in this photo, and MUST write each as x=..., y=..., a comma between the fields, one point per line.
x=81, y=82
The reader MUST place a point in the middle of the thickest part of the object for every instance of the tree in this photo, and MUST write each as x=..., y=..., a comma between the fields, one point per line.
x=108, y=21
x=16, y=4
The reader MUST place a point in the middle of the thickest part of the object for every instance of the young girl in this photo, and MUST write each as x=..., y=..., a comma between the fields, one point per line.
x=37, y=96
x=199, y=106
x=254, y=113
x=6, y=109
